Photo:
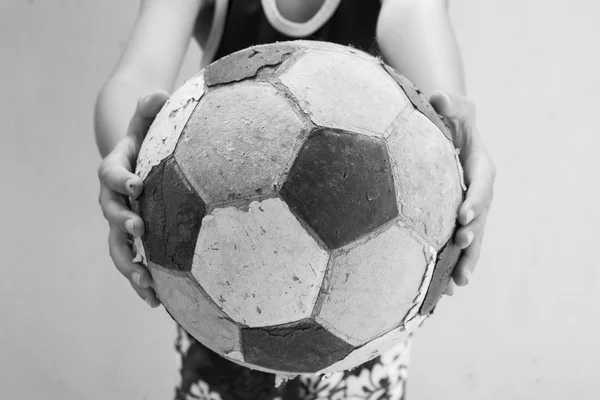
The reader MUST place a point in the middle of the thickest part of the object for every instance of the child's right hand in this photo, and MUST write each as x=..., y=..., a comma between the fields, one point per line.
x=117, y=181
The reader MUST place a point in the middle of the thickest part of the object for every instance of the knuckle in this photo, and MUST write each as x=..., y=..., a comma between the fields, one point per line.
x=102, y=171
x=113, y=252
x=135, y=287
x=105, y=213
x=123, y=268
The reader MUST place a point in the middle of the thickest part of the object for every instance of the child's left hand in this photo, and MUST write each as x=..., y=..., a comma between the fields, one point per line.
x=479, y=174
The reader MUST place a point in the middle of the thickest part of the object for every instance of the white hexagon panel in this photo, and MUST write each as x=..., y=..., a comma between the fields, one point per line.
x=420, y=153
x=259, y=264
x=362, y=81
x=371, y=281
x=192, y=308
x=263, y=134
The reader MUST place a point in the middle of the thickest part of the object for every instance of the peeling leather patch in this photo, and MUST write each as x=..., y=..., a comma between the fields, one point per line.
x=447, y=259
x=246, y=63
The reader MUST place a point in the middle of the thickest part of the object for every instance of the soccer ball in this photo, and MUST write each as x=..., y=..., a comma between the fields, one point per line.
x=299, y=200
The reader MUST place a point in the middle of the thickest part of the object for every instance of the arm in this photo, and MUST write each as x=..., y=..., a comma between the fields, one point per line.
x=148, y=67
x=417, y=39
x=151, y=61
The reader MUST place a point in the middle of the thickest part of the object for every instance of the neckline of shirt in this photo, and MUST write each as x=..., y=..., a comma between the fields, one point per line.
x=299, y=29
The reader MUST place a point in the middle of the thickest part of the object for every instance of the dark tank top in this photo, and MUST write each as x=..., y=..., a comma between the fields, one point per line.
x=353, y=23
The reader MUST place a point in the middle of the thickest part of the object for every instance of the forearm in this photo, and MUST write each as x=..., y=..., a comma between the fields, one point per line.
x=416, y=38
x=150, y=62
x=115, y=105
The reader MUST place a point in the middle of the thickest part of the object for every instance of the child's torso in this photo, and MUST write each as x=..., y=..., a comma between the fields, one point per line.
x=225, y=26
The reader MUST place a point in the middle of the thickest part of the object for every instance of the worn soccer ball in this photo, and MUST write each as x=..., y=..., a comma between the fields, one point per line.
x=299, y=200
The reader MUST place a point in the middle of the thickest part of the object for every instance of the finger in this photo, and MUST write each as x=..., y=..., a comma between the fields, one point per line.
x=466, y=264
x=465, y=235
x=452, y=106
x=122, y=256
x=479, y=197
x=116, y=212
x=441, y=102
x=116, y=169
x=146, y=110
x=118, y=177
x=147, y=294
x=450, y=288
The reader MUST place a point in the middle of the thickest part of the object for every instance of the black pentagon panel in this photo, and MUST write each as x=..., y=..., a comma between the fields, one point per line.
x=442, y=273
x=172, y=212
x=302, y=347
x=341, y=184
x=247, y=63
x=419, y=101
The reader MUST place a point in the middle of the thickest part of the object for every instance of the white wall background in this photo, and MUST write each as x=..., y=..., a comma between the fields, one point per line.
x=527, y=326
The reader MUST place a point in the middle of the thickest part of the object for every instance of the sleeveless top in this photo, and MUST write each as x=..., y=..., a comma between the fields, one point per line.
x=226, y=26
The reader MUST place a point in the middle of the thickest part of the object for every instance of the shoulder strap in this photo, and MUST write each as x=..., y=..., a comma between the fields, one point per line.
x=209, y=50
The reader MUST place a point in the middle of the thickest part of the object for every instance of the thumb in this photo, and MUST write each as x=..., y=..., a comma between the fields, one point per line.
x=452, y=106
x=145, y=112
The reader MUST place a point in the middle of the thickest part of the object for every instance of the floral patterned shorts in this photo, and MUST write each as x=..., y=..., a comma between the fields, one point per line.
x=207, y=376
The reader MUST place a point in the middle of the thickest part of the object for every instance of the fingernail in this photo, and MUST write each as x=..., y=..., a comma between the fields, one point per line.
x=131, y=186
x=129, y=226
x=147, y=98
x=149, y=302
x=470, y=216
x=449, y=290
x=136, y=277
x=144, y=283
x=467, y=276
x=469, y=238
